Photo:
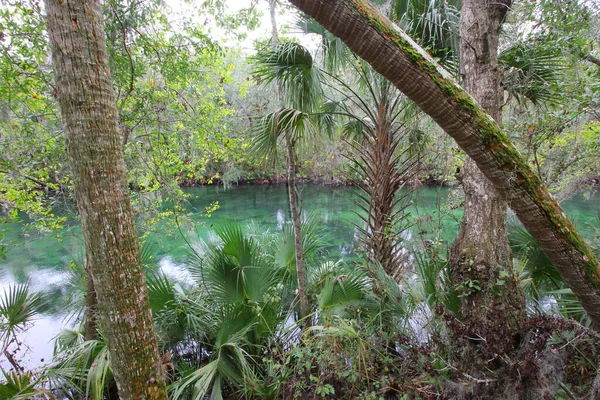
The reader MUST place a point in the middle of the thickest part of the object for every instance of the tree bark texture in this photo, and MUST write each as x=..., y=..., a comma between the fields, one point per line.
x=297, y=224
x=90, y=122
x=90, y=318
x=493, y=306
x=397, y=57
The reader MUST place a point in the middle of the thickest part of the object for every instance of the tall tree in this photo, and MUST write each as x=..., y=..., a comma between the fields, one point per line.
x=294, y=198
x=287, y=65
x=493, y=307
x=94, y=145
x=395, y=55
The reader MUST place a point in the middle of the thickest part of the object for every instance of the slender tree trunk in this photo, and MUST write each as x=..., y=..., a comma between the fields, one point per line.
x=293, y=194
x=398, y=58
x=493, y=306
x=297, y=223
x=90, y=122
x=272, y=14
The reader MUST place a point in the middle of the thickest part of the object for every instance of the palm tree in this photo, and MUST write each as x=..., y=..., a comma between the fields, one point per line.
x=291, y=67
x=377, y=119
x=94, y=145
x=411, y=70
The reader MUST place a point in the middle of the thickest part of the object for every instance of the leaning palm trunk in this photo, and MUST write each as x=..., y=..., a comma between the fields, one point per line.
x=90, y=122
x=393, y=54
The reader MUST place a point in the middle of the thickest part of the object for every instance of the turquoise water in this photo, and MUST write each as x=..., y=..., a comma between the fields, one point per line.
x=43, y=259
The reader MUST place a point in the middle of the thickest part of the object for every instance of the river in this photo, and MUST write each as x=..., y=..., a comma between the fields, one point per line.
x=43, y=259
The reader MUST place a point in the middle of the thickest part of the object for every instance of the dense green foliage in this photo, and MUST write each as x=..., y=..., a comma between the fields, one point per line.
x=194, y=111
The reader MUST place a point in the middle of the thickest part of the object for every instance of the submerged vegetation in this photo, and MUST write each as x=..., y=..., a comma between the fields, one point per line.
x=271, y=314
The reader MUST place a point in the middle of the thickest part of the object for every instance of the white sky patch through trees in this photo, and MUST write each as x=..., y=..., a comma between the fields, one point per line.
x=190, y=11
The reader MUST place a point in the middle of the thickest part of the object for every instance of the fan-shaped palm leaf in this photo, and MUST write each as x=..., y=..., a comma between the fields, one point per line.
x=544, y=276
x=160, y=291
x=340, y=289
x=18, y=307
x=336, y=54
x=531, y=71
x=21, y=386
x=180, y=316
x=230, y=362
x=433, y=283
x=293, y=125
x=312, y=244
x=291, y=66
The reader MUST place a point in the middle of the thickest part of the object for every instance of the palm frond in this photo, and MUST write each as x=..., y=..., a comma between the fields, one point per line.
x=343, y=291
x=18, y=307
x=148, y=249
x=84, y=368
x=160, y=291
x=234, y=269
x=336, y=54
x=196, y=383
x=532, y=71
x=434, y=284
x=20, y=386
x=67, y=339
x=434, y=24
x=541, y=271
x=340, y=290
x=97, y=375
x=312, y=244
x=564, y=303
x=229, y=363
x=299, y=127
x=290, y=65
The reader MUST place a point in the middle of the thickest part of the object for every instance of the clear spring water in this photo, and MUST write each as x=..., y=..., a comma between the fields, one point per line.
x=43, y=259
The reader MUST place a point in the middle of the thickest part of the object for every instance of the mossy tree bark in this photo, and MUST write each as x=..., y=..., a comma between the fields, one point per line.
x=90, y=122
x=395, y=56
x=493, y=306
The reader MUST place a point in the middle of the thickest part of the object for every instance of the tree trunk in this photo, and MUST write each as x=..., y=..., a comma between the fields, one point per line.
x=297, y=223
x=394, y=55
x=90, y=122
x=90, y=328
x=493, y=306
x=272, y=14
